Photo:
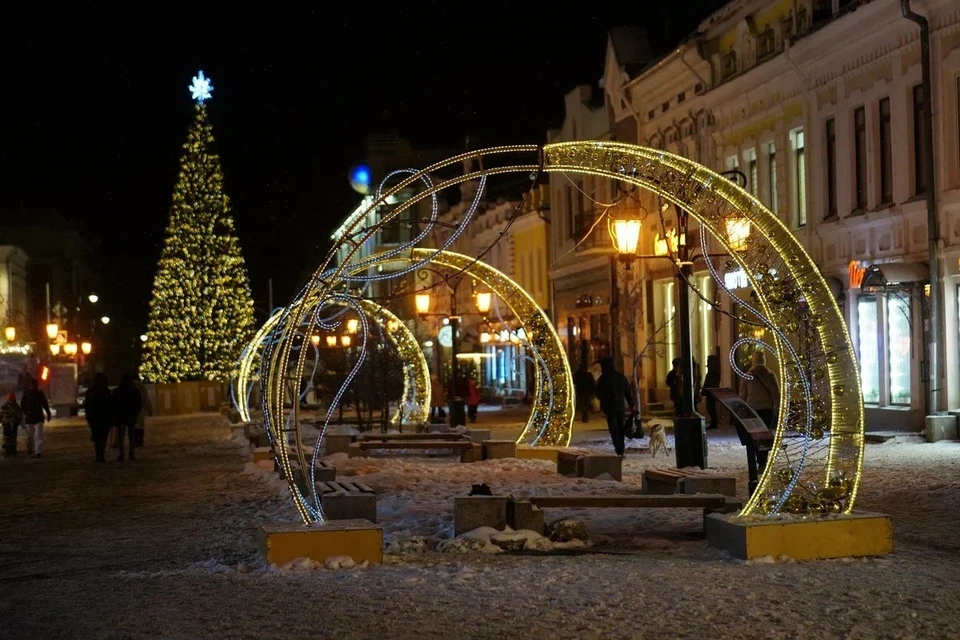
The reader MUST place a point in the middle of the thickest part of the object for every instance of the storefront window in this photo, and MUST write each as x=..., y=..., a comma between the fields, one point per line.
x=885, y=345
x=664, y=341
x=869, y=353
x=898, y=345
x=701, y=317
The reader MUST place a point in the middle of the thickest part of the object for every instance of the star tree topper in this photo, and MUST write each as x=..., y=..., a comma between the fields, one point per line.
x=201, y=88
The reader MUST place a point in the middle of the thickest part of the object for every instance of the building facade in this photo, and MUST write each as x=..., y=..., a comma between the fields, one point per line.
x=582, y=266
x=819, y=105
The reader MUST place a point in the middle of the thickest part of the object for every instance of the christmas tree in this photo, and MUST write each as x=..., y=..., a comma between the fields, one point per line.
x=201, y=314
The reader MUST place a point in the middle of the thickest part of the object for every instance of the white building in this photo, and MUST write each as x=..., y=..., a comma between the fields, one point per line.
x=580, y=271
x=819, y=104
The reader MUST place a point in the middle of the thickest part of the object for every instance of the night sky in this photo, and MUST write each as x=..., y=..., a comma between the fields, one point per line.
x=94, y=108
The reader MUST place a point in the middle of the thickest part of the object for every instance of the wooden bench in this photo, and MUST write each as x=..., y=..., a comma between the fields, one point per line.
x=469, y=451
x=580, y=463
x=688, y=480
x=344, y=500
x=709, y=503
x=392, y=437
x=342, y=486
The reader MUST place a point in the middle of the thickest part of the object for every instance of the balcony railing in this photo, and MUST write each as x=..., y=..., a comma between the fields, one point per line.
x=590, y=238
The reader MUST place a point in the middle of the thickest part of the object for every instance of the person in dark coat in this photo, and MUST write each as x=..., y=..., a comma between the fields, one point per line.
x=613, y=391
x=712, y=381
x=584, y=387
x=675, y=383
x=11, y=416
x=98, y=407
x=127, y=403
x=34, y=406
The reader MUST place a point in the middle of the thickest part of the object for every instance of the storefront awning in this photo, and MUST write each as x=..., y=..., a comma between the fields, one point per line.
x=895, y=274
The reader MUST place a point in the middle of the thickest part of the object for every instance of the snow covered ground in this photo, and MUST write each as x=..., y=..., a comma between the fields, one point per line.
x=166, y=547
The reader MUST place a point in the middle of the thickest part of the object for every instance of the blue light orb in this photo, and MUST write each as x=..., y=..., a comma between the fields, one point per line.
x=360, y=179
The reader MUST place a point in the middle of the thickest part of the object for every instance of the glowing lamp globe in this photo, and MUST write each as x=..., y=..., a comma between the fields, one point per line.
x=360, y=178
x=423, y=303
x=353, y=325
x=738, y=230
x=86, y=347
x=315, y=339
x=10, y=333
x=484, y=299
x=70, y=348
x=331, y=341
x=345, y=341
x=52, y=331
x=625, y=233
x=55, y=349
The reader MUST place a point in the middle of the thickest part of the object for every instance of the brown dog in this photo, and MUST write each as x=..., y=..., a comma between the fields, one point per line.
x=658, y=440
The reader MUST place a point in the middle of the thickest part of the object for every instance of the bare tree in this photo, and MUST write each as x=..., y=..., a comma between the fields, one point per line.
x=654, y=343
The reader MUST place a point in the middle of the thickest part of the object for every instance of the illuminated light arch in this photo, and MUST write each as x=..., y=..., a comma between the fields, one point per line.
x=825, y=458
x=551, y=419
x=414, y=404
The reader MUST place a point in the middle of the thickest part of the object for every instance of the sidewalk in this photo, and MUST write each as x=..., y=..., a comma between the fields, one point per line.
x=73, y=432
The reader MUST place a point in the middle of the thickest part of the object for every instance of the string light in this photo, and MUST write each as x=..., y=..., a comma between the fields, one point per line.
x=201, y=311
x=777, y=267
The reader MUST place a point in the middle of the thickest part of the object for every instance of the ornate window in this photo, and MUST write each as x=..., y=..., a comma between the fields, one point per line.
x=730, y=63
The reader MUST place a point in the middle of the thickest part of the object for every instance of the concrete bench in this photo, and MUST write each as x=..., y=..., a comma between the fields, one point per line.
x=258, y=439
x=580, y=463
x=593, y=465
x=478, y=435
x=689, y=480
x=472, y=512
x=496, y=449
x=323, y=472
x=345, y=500
x=469, y=451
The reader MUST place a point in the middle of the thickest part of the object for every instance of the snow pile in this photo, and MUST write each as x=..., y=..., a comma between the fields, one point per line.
x=493, y=541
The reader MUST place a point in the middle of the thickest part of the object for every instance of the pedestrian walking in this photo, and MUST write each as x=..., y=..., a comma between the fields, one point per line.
x=613, y=391
x=762, y=391
x=438, y=400
x=11, y=416
x=146, y=409
x=584, y=386
x=98, y=408
x=473, y=399
x=127, y=404
x=712, y=381
x=34, y=406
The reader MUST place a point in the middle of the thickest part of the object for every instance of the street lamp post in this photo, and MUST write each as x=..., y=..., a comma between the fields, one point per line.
x=689, y=429
x=483, y=300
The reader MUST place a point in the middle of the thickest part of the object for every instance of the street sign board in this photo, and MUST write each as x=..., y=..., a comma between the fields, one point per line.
x=750, y=427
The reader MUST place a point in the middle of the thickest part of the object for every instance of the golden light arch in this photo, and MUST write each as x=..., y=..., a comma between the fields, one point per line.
x=551, y=418
x=414, y=404
x=816, y=461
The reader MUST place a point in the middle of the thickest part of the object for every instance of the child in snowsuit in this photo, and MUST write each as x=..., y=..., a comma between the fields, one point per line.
x=11, y=416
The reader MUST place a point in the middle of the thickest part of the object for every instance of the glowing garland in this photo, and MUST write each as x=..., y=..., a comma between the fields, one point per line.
x=551, y=420
x=713, y=201
x=414, y=405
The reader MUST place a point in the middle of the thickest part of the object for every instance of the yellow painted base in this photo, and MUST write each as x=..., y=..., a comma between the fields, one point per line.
x=839, y=536
x=526, y=452
x=360, y=539
x=262, y=454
